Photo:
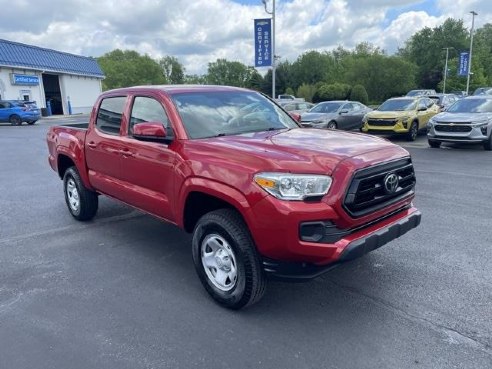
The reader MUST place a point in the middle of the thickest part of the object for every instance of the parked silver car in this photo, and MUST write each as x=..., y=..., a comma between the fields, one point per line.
x=335, y=114
x=298, y=107
x=468, y=120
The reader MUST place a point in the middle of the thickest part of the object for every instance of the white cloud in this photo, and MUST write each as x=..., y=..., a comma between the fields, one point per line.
x=200, y=31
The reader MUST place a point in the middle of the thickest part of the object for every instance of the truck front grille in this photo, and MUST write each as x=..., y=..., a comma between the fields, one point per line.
x=375, y=187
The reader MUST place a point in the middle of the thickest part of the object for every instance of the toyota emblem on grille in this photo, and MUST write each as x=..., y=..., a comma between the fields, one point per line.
x=390, y=183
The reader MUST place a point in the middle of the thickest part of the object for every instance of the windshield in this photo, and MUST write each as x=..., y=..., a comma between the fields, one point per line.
x=329, y=107
x=471, y=106
x=221, y=113
x=398, y=105
x=414, y=93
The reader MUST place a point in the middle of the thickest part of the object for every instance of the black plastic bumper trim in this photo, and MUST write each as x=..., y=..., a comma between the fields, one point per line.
x=300, y=272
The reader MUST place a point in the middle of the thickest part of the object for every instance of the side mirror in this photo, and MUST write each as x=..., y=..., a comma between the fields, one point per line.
x=150, y=131
x=296, y=117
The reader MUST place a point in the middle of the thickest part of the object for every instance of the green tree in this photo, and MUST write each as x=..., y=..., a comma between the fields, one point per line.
x=425, y=49
x=313, y=67
x=333, y=91
x=172, y=69
x=482, y=52
x=383, y=76
x=129, y=68
x=195, y=79
x=359, y=94
x=229, y=73
x=306, y=91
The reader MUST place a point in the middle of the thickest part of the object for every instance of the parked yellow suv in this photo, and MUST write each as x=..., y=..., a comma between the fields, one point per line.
x=401, y=115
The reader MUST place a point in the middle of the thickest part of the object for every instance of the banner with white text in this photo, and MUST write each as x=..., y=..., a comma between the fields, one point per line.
x=263, y=42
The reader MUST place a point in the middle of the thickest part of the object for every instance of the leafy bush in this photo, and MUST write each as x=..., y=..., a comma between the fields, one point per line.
x=334, y=91
x=359, y=94
x=306, y=92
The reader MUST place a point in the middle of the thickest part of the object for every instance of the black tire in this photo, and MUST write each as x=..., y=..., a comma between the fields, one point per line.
x=31, y=122
x=434, y=144
x=226, y=228
x=487, y=145
x=332, y=125
x=15, y=120
x=413, y=131
x=76, y=192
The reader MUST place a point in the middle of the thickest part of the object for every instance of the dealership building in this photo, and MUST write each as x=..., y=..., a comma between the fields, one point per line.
x=61, y=83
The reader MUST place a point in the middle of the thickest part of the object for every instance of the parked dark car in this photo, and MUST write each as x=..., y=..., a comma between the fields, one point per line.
x=17, y=111
x=335, y=114
x=444, y=101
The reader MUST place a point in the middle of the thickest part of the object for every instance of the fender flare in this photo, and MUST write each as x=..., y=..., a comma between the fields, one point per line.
x=77, y=156
x=213, y=188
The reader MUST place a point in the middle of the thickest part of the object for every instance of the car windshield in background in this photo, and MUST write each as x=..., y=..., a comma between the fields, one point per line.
x=471, y=106
x=222, y=113
x=397, y=105
x=330, y=107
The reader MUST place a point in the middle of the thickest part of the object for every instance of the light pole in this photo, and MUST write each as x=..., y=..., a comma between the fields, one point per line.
x=273, y=43
x=446, y=68
x=473, y=13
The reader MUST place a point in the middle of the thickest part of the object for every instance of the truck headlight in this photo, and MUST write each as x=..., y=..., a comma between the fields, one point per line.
x=288, y=186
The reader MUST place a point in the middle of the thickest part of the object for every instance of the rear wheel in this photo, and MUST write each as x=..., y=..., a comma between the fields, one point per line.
x=15, y=120
x=82, y=203
x=434, y=144
x=226, y=259
x=332, y=125
x=413, y=132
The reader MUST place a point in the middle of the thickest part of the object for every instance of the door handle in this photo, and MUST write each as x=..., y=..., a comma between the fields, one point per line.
x=92, y=144
x=127, y=153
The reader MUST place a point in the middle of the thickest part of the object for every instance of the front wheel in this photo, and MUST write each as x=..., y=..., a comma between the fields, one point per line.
x=487, y=145
x=82, y=203
x=15, y=120
x=332, y=125
x=226, y=259
x=413, y=132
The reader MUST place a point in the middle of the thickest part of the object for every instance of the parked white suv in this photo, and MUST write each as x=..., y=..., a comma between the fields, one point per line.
x=468, y=120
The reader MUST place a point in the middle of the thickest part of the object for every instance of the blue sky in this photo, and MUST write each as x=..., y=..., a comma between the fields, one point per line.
x=198, y=32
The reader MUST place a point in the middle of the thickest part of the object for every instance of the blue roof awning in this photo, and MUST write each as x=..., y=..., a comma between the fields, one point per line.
x=14, y=54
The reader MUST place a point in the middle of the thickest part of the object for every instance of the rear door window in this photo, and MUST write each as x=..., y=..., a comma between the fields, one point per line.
x=110, y=114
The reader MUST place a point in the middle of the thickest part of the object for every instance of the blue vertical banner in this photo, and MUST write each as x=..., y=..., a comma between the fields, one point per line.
x=263, y=42
x=463, y=63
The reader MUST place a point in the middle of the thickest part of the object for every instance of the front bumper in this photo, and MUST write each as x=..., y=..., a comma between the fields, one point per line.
x=398, y=128
x=473, y=133
x=354, y=249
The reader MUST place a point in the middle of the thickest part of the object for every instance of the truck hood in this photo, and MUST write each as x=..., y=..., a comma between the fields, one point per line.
x=301, y=150
x=389, y=114
x=446, y=117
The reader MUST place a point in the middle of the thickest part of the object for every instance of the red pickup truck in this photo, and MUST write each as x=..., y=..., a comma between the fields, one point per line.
x=263, y=197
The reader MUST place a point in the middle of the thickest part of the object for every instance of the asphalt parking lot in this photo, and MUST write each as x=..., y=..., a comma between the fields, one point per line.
x=121, y=291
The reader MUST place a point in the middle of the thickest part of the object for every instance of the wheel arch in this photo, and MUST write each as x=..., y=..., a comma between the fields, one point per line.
x=201, y=196
x=65, y=160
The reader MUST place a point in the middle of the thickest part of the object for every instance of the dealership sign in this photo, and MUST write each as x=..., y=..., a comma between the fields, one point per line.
x=263, y=42
x=24, y=79
x=463, y=63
